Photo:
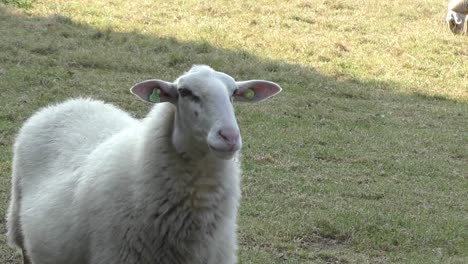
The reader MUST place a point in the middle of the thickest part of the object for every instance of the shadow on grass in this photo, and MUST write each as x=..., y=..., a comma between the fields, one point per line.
x=48, y=59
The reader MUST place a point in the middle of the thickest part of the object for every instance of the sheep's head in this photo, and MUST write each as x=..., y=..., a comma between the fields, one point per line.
x=205, y=119
x=456, y=22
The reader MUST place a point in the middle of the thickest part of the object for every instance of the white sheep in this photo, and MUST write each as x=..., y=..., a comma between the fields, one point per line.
x=457, y=16
x=92, y=185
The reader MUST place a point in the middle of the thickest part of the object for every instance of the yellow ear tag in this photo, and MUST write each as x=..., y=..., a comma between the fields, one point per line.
x=154, y=97
x=249, y=94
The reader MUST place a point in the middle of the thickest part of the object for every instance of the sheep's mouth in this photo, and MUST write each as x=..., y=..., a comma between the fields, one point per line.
x=232, y=149
x=223, y=153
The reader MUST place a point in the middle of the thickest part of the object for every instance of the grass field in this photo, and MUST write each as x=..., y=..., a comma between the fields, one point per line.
x=362, y=159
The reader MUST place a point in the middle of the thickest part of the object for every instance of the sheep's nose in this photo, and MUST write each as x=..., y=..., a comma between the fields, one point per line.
x=229, y=135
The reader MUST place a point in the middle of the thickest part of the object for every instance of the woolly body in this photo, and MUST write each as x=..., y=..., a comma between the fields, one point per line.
x=459, y=6
x=103, y=206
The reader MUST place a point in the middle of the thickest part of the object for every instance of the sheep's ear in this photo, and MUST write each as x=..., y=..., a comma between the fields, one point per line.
x=155, y=91
x=255, y=90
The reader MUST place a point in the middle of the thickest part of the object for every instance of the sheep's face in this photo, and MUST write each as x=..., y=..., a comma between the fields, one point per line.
x=456, y=22
x=205, y=112
x=205, y=119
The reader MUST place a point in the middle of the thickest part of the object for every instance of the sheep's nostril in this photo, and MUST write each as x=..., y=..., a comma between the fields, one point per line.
x=230, y=136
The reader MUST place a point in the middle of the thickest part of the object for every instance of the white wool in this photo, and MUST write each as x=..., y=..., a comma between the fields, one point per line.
x=101, y=204
x=459, y=6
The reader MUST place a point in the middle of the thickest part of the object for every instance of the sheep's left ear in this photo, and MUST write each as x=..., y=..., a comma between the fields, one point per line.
x=255, y=90
x=155, y=91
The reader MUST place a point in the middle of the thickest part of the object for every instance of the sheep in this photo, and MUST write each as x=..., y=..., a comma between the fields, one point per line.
x=460, y=6
x=457, y=16
x=93, y=185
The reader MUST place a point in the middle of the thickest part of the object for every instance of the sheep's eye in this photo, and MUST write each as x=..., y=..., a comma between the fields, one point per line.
x=185, y=92
x=234, y=93
x=195, y=98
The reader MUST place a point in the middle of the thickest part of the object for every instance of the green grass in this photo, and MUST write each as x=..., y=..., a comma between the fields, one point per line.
x=362, y=159
x=18, y=3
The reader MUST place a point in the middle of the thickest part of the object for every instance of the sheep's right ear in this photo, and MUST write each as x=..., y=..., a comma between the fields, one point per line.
x=155, y=91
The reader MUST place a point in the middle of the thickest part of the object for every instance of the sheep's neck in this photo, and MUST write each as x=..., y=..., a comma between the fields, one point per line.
x=204, y=187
